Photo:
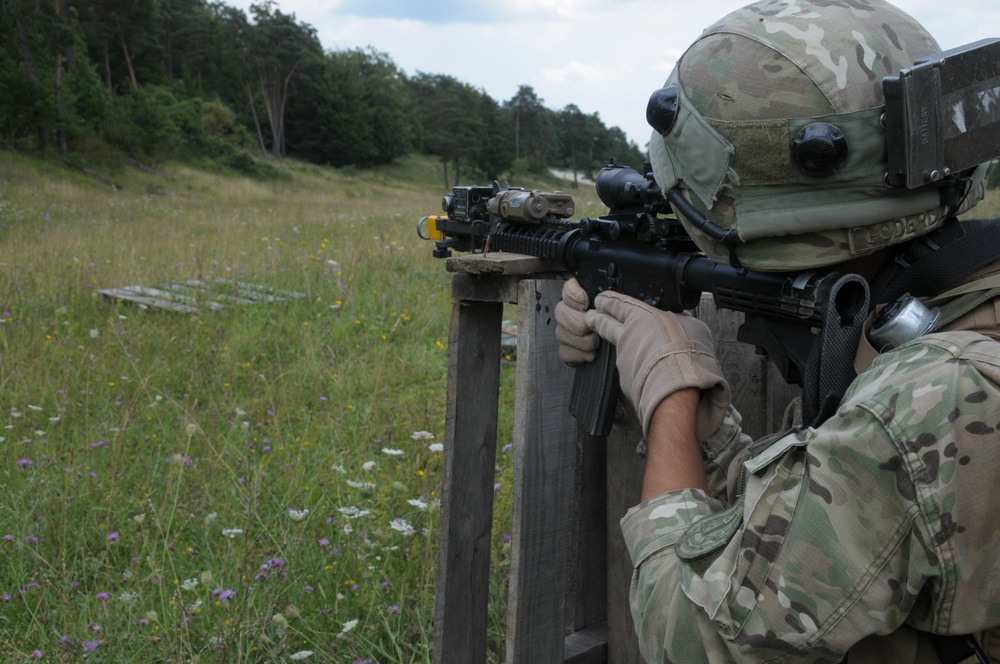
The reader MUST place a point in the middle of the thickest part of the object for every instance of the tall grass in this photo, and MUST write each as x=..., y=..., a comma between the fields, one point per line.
x=246, y=485
x=250, y=484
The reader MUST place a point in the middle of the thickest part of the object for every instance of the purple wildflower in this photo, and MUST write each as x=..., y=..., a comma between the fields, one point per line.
x=25, y=463
x=394, y=609
x=223, y=595
x=103, y=596
x=113, y=536
x=324, y=542
x=90, y=646
x=100, y=443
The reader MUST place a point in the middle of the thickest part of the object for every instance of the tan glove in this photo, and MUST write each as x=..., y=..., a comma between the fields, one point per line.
x=577, y=342
x=659, y=353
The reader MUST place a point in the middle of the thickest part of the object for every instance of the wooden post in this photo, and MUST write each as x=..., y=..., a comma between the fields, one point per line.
x=544, y=473
x=460, y=612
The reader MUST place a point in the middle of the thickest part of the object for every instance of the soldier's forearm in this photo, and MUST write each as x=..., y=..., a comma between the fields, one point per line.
x=673, y=457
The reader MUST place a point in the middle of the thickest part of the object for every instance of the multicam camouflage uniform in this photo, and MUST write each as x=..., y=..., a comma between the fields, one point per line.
x=883, y=520
x=884, y=515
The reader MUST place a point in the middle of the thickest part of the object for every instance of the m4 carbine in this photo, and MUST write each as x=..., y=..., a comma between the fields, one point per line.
x=804, y=321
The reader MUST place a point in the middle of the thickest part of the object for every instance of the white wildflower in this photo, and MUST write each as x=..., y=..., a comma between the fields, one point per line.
x=401, y=526
x=232, y=532
x=368, y=466
x=422, y=435
x=392, y=452
x=348, y=626
x=139, y=518
x=419, y=504
x=353, y=512
x=297, y=515
x=210, y=518
x=339, y=469
x=192, y=429
x=436, y=447
x=189, y=584
x=194, y=606
x=128, y=597
x=360, y=485
x=94, y=333
x=31, y=407
x=302, y=654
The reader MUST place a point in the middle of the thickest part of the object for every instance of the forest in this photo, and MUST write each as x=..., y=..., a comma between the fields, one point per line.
x=150, y=80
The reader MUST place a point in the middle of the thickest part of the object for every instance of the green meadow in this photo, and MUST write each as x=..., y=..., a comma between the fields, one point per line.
x=257, y=483
x=254, y=483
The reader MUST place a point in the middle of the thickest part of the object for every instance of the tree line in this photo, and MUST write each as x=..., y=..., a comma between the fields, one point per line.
x=193, y=79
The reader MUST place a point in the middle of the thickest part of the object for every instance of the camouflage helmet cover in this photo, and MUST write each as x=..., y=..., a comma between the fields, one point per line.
x=748, y=85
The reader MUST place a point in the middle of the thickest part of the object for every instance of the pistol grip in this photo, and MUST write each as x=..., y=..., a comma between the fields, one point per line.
x=595, y=391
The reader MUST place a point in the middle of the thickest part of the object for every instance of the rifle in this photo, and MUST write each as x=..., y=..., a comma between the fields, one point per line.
x=806, y=322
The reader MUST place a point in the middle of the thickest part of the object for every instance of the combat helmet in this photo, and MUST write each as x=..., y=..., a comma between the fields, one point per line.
x=774, y=134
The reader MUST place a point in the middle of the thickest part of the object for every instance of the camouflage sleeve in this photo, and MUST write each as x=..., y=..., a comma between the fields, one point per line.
x=720, y=449
x=842, y=531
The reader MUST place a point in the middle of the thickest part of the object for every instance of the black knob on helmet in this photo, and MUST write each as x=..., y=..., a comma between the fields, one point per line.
x=661, y=111
x=820, y=149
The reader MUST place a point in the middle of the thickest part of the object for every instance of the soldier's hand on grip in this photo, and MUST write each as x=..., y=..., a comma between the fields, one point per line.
x=659, y=353
x=577, y=342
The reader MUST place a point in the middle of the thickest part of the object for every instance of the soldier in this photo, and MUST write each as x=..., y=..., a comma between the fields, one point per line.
x=870, y=532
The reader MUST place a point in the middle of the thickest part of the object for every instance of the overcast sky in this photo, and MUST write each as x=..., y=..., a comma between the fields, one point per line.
x=605, y=56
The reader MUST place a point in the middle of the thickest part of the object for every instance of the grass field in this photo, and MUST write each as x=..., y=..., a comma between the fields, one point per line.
x=252, y=484
x=237, y=485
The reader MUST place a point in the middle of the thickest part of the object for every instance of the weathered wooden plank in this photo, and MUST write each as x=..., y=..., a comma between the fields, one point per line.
x=197, y=288
x=588, y=646
x=173, y=296
x=477, y=288
x=587, y=601
x=501, y=263
x=192, y=295
x=462, y=594
x=544, y=449
x=148, y=301
x=261, y=292
x=624, y=483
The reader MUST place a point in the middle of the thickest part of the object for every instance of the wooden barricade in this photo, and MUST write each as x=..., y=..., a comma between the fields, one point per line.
x=570, y=572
